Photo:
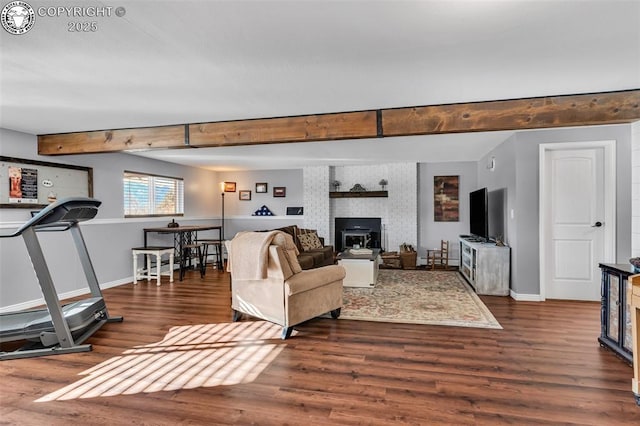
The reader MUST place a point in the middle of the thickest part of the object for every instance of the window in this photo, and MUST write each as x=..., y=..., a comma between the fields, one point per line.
x=150, y=195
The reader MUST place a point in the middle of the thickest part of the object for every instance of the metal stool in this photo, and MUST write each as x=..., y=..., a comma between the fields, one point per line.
x=148, y=273
x=217, y=252
x=187, y=255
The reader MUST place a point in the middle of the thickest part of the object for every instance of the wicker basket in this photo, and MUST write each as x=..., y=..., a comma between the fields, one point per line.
x=391, y=260
x=408, y=259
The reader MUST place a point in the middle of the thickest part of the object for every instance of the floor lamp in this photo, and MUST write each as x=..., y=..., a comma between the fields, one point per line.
x=222, y=228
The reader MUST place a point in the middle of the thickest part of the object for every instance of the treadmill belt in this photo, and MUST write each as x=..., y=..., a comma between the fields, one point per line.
x=29, y=325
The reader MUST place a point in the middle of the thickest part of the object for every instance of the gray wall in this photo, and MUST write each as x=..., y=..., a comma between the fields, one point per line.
x=238, y=213
x=502, y=177
x=246, y=180
x=109, y=237
x=517, y=169
x=430, y=232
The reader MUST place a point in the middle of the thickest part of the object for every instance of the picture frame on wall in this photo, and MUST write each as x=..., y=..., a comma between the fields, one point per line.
x=244, y=195
x=296, y=211
x=262, y=187
x=279, y=191
x=32, y=184
x=446, y=205
x=229, y=187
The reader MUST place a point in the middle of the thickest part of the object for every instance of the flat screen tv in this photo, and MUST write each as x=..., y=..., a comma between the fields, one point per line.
x=478, y=206
x=496, y=213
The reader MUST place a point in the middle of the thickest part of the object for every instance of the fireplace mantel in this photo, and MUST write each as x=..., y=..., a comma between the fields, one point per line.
x=354, y=194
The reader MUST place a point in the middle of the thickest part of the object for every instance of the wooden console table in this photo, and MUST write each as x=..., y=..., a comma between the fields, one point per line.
x=182, y=236
x=635, y=326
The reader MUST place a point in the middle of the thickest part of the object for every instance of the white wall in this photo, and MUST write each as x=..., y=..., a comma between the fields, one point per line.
x=316, y=201
x=398, y=212
x=635, y=189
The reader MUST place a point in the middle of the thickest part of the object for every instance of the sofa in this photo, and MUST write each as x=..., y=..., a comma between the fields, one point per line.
x=310, y=255
x=268, y=283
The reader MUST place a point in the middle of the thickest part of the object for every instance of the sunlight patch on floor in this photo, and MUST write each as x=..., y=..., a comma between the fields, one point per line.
x=188, y=357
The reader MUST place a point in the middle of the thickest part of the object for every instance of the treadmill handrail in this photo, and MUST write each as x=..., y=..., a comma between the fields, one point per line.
x=54, y=216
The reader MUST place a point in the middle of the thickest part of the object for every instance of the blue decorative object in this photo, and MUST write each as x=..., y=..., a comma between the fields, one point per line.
x=263, y=211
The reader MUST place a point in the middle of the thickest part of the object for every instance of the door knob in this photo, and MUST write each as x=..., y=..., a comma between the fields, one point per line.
x=597, y=225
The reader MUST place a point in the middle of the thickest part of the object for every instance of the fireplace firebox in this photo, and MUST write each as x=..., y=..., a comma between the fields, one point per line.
x=361, y=231
x=356, y=238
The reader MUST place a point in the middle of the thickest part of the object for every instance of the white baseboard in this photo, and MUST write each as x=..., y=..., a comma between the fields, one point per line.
x=525, y=297
x=74, y=293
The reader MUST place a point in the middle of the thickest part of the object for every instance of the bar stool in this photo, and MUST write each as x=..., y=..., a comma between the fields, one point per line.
x=216, y=246
x=148, y=273
x=187, y=256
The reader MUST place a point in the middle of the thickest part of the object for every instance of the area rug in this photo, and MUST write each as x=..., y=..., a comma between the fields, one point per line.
x=418, y=297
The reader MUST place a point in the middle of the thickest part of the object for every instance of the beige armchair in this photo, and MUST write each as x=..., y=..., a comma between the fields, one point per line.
x=267, y=281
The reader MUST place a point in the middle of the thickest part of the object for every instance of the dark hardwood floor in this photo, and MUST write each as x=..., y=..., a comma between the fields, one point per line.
x=544, y=367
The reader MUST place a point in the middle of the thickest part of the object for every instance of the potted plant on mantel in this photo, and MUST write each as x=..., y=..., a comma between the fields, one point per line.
x=336, y=185
x=383, y=183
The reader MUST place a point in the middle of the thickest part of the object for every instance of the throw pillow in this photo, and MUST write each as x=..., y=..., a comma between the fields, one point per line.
x=309, y=241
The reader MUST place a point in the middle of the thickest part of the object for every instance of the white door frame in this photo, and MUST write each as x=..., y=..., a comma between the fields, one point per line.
x=609, y=200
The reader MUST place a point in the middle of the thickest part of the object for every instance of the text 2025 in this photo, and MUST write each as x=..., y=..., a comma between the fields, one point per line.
x=82, y=27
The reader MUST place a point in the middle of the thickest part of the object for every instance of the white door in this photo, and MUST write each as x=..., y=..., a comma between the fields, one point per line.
x=576, y=213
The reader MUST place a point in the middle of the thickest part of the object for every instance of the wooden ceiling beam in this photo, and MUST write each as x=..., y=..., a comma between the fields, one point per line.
x=112, y=140
x=323, y=127
x=517, y=114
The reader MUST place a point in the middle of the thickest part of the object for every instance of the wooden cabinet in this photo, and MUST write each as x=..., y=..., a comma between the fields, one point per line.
x=615, y=309
x=485, y=266
x=635, y=333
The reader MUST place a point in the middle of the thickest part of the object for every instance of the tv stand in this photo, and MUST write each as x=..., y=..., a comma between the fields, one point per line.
x=485, y=266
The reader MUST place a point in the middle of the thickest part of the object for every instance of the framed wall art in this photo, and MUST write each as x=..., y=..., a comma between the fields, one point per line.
x=244, y=195
x=261, y=187
x=30, y=183
x=446, y=205
x=279, y=191
x=229, y=187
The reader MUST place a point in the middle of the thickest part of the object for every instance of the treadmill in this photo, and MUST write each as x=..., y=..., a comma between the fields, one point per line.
x=57, y=329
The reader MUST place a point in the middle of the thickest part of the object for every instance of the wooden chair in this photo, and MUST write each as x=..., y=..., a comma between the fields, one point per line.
x=439, y=258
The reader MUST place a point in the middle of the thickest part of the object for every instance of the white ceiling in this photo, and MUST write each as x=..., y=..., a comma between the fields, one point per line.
x=171, y=62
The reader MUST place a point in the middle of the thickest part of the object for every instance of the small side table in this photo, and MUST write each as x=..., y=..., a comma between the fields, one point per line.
x=148, y=273
x=361, y=269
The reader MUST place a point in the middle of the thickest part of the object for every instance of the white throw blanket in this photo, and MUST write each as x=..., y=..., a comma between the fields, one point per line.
x=249, y=257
